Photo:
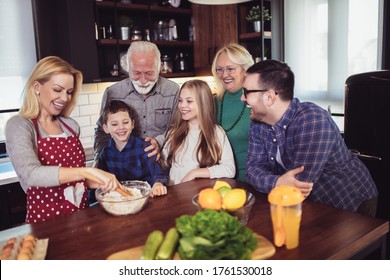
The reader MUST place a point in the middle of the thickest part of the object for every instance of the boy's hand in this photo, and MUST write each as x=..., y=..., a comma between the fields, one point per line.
x=158, y=189
x=154, y=147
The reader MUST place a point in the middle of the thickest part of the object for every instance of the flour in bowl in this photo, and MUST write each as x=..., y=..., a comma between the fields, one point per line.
x=119, y=205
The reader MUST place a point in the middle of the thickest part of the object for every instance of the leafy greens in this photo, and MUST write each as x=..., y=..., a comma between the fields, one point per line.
x=214, y=235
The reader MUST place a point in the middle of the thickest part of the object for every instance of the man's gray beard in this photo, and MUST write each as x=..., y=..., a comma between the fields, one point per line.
x=143, y=90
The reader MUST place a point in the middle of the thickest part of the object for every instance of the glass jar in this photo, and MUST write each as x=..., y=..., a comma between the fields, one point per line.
x=136, y=34
x=181, y=64
x=166, y=66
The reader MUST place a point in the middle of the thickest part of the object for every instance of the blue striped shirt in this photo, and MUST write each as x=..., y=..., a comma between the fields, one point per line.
x=132, y=163
x=306, y=135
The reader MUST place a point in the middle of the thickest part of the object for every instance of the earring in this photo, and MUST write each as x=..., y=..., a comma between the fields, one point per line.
x=37, y=92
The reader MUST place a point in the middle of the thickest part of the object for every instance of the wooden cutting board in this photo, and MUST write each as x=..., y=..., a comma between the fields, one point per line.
x=265, y=250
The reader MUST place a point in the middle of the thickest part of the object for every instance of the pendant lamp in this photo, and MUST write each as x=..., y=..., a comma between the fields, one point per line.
x=217, y=2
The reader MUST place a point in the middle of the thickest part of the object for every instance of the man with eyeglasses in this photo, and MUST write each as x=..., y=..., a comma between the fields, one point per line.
x=152, y=97
x=299, y=144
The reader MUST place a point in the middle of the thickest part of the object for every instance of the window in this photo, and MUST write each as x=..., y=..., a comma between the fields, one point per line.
x=17, y=55
x=326, y=41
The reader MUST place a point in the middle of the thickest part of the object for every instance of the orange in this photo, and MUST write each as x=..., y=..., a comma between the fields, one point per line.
x=210, y=199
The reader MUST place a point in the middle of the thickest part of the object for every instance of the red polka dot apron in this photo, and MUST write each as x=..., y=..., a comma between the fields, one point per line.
x=44, y=203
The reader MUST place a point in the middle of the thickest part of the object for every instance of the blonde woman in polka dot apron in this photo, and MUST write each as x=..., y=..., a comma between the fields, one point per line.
x=44, y=147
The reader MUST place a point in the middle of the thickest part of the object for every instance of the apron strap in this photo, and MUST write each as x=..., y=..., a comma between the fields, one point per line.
x=35, y=122
x=68, y=127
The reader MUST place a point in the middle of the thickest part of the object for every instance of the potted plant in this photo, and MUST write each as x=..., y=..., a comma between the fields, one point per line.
x=254, y=16
x=125, y=24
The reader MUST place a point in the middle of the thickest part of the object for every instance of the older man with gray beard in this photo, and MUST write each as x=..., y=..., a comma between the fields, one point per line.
x=152, y=97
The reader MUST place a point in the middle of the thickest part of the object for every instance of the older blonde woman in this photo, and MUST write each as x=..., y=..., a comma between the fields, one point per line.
x=44, y=147
x=229, y=66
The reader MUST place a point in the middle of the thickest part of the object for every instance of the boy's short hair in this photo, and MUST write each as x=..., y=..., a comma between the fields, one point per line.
x=115, y=106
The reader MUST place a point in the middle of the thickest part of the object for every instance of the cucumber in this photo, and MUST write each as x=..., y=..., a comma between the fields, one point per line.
x=168, y=246
x=152, y=244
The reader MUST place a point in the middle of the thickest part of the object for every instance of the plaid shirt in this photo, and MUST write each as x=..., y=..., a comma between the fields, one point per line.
x=132, y=163
x=306, y=135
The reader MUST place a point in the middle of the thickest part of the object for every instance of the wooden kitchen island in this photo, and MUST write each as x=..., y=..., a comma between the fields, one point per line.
x=92, y=234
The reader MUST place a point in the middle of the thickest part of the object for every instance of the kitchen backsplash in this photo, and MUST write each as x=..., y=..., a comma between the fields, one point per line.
x=86, y=113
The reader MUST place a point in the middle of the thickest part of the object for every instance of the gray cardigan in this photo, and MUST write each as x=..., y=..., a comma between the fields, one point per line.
x=21, y=144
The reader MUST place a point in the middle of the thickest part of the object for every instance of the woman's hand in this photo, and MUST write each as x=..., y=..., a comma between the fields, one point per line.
x=98, y=178
x=153, y=148
x=158, y=189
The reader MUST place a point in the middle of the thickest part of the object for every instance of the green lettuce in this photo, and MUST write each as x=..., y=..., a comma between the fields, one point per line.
x=214, y=235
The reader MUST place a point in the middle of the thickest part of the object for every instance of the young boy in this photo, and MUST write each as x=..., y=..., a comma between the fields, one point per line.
x=124, y=154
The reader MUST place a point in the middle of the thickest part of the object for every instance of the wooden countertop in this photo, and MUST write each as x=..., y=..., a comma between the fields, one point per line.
x=326, y=232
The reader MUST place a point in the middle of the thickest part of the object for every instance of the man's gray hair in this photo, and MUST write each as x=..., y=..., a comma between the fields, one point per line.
x=145, y=47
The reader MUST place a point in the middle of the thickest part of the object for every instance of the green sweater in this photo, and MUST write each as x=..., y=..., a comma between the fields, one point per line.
x=238, y=135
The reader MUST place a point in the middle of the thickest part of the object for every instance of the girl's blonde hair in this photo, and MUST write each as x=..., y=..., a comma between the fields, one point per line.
x=238, y=55
x=209, y=149
x=42, y=72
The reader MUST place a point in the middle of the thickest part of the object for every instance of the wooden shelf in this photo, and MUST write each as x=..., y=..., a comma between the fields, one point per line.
x=255, y=35
x=105, y=4
x=174, y=43
x=144, y=7
x=144, y=15
x=113, y=42
x=108, y=42
x=165, y=75
x=134, y=7
x=177, y=74
x=177, y=11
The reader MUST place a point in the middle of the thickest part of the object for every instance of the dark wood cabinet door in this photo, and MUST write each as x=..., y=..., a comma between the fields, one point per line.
x=225, y=21
x=65, y=28
x=215, y=26
x=203, y=38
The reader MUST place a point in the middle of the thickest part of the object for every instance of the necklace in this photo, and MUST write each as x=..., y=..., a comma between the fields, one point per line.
x=237, y=120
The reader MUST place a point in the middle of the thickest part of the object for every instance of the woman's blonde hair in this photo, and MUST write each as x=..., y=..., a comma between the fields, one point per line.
x=238, y=55
x=209, y=149
x=42, y=72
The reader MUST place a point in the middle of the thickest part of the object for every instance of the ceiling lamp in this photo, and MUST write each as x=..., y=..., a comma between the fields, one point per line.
x=217, y=2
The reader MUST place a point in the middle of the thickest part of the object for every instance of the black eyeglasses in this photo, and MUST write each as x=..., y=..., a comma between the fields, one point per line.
x=247, y=91
x=229, y=70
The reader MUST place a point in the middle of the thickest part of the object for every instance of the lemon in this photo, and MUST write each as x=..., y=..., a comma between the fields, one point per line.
x=224, y=190
x=234, y=199
x=218, y=184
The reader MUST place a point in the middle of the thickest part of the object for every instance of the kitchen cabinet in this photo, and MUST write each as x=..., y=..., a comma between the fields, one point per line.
x=12, y=206
x=215, y=26
x=144, y=18
x=65, y=28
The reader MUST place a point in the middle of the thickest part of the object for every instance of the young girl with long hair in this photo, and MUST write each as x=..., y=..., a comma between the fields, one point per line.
x=196, y=147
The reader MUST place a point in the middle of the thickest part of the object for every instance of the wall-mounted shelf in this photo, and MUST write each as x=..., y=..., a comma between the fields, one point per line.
x=144, y=15
x=257, y=43
x=255, y=35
